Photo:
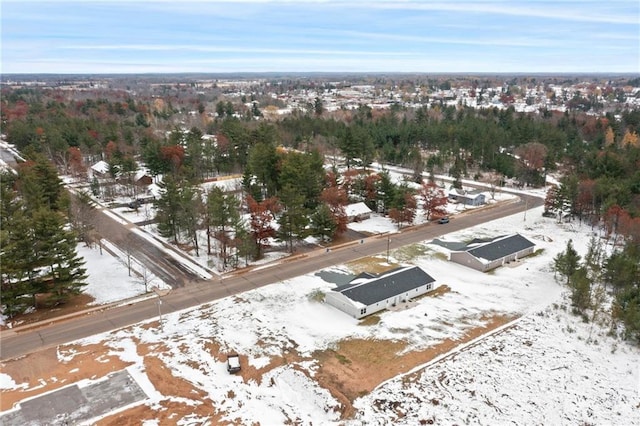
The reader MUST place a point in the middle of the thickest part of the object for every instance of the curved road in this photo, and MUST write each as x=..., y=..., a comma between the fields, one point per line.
x=17, y=343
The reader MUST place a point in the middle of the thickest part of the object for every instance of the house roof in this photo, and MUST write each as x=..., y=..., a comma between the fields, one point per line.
x=101, y=167
x=500, y=247
x=356, y=209
x=377, y=288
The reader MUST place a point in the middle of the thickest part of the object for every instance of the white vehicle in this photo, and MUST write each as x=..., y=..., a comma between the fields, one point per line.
x=233, y=363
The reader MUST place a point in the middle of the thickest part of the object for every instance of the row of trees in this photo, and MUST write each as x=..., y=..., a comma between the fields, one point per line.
x=607, y=186
x=38, y=248
x=289, y=188
x=593, y=278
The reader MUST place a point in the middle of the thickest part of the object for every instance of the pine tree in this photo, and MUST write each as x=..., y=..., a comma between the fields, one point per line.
x=323, y=223
x=68, y=275
x=580, y=286
x=168, y=210
x=16, y=249
x=294, y=219
x=567, y=262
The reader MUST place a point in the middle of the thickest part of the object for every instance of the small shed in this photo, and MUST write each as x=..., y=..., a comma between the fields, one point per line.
x=370, y=293
x=357, y=212
x=142, y=178
x=100, y=169
x=467, y=198
x=485, y=256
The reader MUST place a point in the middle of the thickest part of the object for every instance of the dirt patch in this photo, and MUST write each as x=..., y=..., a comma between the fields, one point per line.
x=437, y=292
x=166, y=412
x=352, y=369
x=371, y=264
x=166, y=383
x=43, y=372
x=75, y=304
x=356, y=367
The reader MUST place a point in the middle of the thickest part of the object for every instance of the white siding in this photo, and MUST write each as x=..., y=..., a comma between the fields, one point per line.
x=357, y=310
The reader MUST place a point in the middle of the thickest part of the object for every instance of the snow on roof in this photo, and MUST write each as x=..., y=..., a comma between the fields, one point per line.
x=357, y=209
x=100, y=167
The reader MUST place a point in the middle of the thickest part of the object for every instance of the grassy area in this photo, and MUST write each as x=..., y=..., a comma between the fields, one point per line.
x=441, y=256
x=316, y=296
x=342, y=359
x=410, y=252
x=537, y=253
x=371, y=264
x=370, y=320
x=439, y=291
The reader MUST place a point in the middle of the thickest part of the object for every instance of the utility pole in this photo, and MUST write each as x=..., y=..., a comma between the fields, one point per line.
x=160, y=293
x=388, y=244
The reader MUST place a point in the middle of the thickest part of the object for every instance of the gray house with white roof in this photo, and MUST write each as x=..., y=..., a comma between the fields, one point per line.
x=488, y=255
x=369, y=293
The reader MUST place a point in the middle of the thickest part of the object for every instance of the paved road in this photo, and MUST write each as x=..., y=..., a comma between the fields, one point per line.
x=15, y=344
x=161, y=264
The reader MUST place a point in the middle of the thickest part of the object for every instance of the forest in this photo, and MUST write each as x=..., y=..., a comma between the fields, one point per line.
x=184, y=141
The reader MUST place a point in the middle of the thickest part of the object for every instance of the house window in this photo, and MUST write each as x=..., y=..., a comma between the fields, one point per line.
x=428, y=286
x=363, y=311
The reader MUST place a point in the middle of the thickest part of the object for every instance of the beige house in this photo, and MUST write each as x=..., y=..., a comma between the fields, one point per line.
x=492, y=254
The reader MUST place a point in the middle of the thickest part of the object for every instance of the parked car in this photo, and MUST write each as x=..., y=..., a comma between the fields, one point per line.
x=444, y=219
x=135, y=204
x=233, y=363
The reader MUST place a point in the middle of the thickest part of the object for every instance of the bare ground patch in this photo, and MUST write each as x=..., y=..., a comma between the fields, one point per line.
x=42, y=313
x=356, y=367
x=43, y=372
x=371, y=264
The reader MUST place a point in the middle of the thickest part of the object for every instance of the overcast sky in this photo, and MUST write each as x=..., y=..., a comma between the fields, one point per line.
x=305, y=36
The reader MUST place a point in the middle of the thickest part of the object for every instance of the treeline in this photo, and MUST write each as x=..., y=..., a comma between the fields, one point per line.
x=38, y=249
x=286, y=187
x=593, y=278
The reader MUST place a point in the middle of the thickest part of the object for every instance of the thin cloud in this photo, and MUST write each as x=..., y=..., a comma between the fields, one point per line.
x=214, y=49
x=547, y=10
x=511, y=42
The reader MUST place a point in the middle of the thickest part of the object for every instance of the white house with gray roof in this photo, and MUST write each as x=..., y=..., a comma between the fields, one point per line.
x=369, y=293
x=488, y=255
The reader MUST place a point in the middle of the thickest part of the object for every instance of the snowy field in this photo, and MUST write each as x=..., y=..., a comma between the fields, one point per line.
x=538, y=370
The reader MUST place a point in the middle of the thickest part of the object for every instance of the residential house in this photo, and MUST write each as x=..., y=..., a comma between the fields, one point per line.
x=488, y=255
x=467, y=198
x=100, y=170
x=369, y=293
x=357, y=212
x=142, y=178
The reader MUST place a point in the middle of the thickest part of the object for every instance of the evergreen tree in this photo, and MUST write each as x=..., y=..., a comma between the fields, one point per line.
x=580, y=286
x=386, y=191
x=168, y=209
x=223, y=213
x=263, y=161
x=293, y=219
x=567, y=262
x=190, y=214
x=323, y=223
x=68, y=275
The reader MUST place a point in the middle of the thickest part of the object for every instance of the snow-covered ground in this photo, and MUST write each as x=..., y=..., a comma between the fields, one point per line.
x=541, y=370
